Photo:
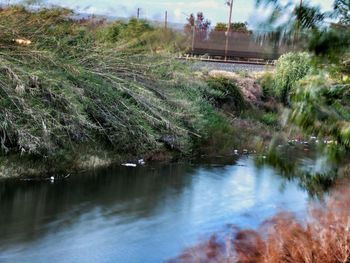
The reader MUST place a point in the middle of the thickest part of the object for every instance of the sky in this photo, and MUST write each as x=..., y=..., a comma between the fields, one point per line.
x=178, y=10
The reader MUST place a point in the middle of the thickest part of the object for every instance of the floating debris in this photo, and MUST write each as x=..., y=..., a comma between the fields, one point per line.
x=129, y=164
x=22, y=42
x=141, y=162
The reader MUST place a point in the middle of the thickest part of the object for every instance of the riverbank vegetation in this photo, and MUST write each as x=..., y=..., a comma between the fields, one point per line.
x=115, y=92
x=75, y=90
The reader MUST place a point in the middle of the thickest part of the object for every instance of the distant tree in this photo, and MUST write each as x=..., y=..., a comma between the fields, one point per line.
x=308, y=17
x=235, y=27
x=190, y=24
x=32, y=2
x=200, y=23
x=220, y=27
x=217, y=34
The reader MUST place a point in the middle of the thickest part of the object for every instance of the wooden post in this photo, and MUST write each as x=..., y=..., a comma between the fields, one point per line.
x=228, y=29
x=138, y=13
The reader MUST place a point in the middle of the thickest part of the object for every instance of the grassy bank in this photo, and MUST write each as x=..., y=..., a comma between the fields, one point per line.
x=72, y=91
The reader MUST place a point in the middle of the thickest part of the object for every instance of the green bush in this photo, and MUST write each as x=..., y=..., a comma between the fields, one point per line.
x=270, y=119
x=230, y=95
x=290, y=68
x=160, y=40
x=111, y=33
x=141, y=35
x=266, y=81
x=123, y=31
x=135, y=28
x=322, y=109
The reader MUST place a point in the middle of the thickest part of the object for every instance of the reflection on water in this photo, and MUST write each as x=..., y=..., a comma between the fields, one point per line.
x=136, y=215
x=315, y=172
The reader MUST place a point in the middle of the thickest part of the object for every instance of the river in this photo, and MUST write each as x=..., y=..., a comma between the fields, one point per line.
x=136, y=215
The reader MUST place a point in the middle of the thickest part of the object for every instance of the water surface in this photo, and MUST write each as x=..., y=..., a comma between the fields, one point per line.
x=136, y=215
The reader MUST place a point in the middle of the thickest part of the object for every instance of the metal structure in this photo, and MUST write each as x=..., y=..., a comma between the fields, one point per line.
x=241, y=45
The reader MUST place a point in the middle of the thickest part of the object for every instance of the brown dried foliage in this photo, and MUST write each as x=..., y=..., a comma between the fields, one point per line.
x=324, y=237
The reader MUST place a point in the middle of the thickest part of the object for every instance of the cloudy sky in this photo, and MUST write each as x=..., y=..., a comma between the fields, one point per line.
x=215, y=10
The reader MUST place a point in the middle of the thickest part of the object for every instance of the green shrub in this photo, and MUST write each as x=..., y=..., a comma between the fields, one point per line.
x=141, y=36
x=124, y=31
x=111, y=33
x=266, y=81
x=322, y=109
x=290, y=68
x=259, y=115
x=231, y=95
x=160, y=40
x=135, y=28
x=270, y=119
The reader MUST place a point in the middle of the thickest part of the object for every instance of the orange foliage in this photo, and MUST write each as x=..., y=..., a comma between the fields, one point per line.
x=323, y=237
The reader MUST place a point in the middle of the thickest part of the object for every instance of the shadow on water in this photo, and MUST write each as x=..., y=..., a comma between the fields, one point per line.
x=137, y=192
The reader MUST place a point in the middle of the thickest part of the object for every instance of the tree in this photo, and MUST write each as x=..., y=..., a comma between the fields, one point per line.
x=200, y=24
x=32, y=2
x=342, y=10
x=190, y=24
x=235, y=27
x=308, y=17
x=290, y=17
x=220, y=27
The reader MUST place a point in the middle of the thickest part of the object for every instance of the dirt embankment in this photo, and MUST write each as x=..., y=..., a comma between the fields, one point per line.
x=251, y=91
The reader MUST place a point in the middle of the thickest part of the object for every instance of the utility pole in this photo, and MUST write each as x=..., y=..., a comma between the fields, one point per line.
x=230, y=3
x=166, y=20
x=193, y=36
x=138, y=13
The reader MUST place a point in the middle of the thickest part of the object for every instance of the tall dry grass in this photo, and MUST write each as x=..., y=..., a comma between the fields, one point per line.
x=323, y=237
